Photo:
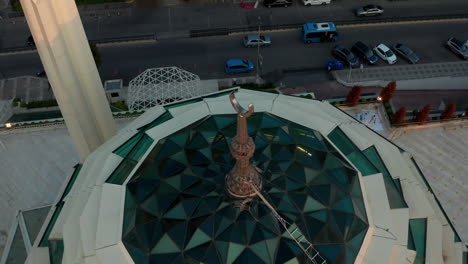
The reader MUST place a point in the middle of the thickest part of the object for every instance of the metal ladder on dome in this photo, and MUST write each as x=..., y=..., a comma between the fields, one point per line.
x=299, y=238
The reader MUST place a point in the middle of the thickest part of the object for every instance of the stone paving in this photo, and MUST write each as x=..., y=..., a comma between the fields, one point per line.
x=34, y=163
x=441, y=153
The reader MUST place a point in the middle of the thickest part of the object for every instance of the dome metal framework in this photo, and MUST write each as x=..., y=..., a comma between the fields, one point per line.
x=158, y=86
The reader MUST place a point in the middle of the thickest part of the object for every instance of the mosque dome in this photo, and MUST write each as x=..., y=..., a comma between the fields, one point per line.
x=177, y=209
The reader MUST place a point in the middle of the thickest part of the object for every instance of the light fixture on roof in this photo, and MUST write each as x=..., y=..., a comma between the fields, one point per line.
x=8, y=125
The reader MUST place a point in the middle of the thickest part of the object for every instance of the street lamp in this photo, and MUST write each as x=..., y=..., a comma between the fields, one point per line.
x=258, y=51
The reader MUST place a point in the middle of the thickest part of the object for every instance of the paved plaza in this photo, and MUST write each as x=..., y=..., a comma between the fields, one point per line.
x=441, y=152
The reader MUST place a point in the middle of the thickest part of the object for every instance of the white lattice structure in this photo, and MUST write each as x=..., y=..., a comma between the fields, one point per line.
x=159, y=86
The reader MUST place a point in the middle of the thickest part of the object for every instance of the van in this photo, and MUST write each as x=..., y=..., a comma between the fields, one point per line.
x=316, y=2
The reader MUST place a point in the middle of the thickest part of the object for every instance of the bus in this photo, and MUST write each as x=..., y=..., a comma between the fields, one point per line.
x=319, y=32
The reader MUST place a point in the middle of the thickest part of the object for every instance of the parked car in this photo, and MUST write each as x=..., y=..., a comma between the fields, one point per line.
x=458, y=47
x=238, y=66
x=41, y=73
x=363, y=51
x=369, y=10
x=346, y=55
x=316, y=2
x=256, y=40
x=385, y=53
x=272, y=3
x=405, y=52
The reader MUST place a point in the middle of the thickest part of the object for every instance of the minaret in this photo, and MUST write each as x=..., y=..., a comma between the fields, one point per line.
x=243, y=177
x=65, y=53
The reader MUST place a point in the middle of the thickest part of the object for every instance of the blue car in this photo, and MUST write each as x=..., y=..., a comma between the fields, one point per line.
x=238, y=66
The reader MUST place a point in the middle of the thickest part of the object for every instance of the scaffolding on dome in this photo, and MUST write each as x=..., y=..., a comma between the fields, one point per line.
x=158, y=86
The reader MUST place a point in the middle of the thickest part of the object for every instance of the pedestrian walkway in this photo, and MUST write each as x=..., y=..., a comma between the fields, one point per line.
x=28, y=88
x=429, y=76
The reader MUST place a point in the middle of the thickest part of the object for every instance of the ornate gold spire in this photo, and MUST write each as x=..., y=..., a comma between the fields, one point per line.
x=240, y=179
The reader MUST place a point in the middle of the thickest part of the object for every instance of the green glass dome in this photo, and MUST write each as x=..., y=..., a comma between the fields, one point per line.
x=177, y=209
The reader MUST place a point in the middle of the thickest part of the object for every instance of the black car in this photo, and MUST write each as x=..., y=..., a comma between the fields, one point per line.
x=363, y=51
x=345, y=54
x=270, y=3
x=405, y=52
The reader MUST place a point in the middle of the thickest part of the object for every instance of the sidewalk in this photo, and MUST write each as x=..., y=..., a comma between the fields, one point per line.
x=429, y=76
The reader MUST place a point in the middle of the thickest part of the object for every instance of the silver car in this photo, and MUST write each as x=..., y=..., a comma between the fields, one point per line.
x=256, y=40
x=405, y=52
x=369, y=10
x=458, y=47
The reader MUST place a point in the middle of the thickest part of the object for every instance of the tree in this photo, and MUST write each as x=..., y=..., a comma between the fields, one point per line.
x=423, y=116
x=387, y=93
x=354, y=95
x=449, y=111
x=399, y=116
x=96, y=54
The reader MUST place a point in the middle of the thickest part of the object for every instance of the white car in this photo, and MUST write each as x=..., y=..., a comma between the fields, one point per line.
x=316, y=2
x=385, y=53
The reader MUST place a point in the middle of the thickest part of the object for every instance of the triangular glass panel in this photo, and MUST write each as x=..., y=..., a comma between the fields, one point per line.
x=198, y=238
x=320, y=215
x=165, y=245
x=312, y=205
x=310, y=174
x=261, y=250
x=176, y=212
x=357, y=227
x=356, y=242
x=180, y=138
x=329, y=252
x=269, y=122
x=234, y=251
x=222, y=248
x=150, y=205
x=320, y=193
x=248, y=256
x=170, y=167
x=167, y=149
x=197, y=141
x=260, y=142
x=283, y=138
x=175, y=181
x=272, y=245
x=331, y=162
x=180, y=233
x=223, y=121
x=344, y=205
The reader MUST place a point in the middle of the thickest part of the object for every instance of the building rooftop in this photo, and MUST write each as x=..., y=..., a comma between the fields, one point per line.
x=394, y=191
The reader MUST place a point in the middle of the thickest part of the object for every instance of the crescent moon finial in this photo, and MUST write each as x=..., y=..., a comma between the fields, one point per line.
x=239, y=109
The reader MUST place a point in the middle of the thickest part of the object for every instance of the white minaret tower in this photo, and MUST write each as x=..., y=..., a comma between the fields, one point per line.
x=65, y=53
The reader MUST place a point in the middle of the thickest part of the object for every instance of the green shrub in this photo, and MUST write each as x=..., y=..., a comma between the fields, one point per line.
x=40, y=104
x=307, y=96
x=120, y=105
x=254, y=86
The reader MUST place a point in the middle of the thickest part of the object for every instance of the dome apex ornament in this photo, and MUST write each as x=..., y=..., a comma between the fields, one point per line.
x=243, y=178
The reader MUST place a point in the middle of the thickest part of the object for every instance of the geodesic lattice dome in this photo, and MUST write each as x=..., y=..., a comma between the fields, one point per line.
x=159, y=86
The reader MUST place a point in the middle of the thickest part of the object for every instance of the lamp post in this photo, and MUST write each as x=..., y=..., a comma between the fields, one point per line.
x=258, y=51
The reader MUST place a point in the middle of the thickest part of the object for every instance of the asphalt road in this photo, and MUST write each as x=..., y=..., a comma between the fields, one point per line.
x=305, y=62
x=167, y=22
